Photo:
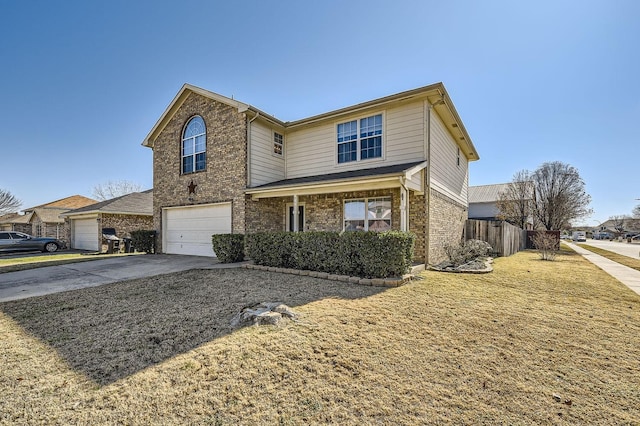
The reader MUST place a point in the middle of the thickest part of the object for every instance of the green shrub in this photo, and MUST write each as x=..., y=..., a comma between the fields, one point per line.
x=144, y=240
x=361, y=254
x=229, y=248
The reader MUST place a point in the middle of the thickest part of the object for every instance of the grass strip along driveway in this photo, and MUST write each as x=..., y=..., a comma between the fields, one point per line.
x=619, y=258
x=533, y=342
x=14, y=264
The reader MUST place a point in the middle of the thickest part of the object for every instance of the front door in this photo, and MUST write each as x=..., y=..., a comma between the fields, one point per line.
x=300, y=218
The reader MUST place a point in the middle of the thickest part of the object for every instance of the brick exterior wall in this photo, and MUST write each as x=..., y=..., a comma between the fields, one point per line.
x=125, y=224
x=23, y=227
x=50, y=230
x=225, y=176
x=418, y=224
x=323, y=212
x=447, y=222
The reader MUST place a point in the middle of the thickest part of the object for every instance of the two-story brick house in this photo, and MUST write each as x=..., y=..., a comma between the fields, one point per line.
x=398, y=162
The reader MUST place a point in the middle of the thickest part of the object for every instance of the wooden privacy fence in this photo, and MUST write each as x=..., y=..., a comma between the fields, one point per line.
x=504, y=238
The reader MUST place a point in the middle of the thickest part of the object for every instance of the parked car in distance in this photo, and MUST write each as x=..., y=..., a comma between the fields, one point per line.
x=17, y=241
x=579, y=236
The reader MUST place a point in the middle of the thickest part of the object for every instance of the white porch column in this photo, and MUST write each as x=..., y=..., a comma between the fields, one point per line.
x=296, y=213
x=404, y=211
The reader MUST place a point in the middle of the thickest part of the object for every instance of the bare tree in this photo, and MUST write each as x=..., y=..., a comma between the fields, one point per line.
x=559, y=195
x=8, y=202
x=619, y=222
x=113, y=189
x=515, y=202
x=636, y=212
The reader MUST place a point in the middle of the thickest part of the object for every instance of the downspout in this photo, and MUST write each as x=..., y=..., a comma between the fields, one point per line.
x=249, y=147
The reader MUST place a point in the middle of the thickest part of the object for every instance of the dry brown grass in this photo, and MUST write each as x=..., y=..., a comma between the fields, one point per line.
x=22, y=263
x=461, y=349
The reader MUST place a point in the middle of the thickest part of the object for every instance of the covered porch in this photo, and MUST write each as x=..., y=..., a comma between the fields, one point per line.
x=377, y=199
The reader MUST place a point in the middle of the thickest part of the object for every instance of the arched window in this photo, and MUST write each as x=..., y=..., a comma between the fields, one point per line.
x=194, y=146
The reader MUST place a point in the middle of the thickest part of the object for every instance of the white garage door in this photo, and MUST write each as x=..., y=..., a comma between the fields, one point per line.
x=85, y=234
x=188, y=230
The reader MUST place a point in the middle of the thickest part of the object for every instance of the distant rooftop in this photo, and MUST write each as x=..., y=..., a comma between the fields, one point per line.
x=486, y=193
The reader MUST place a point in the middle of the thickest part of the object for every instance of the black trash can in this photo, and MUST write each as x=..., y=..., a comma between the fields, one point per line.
x=128, y=245
x=113, y=246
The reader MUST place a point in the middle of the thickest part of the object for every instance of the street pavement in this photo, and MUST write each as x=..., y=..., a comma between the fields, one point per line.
x=624, y=248
x=72, y=276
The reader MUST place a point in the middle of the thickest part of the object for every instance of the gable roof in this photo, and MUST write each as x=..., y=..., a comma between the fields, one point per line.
x=486, y=193
x=136, y=203
x=16, y=218
x=435, y=94
x=72, y=202
x=49, y=215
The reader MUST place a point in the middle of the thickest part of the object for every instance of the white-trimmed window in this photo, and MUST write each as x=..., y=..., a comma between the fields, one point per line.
x=194, y=146
x=367, y=214
x=360, y=139
x=278, y=144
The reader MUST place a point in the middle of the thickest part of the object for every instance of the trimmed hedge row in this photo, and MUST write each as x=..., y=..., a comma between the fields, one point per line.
x=144, y=241
x=360, y=254
x=229, y=248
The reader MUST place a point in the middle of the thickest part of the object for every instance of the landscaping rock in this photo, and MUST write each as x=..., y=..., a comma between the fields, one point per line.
x=266, y=313
x=476, y=266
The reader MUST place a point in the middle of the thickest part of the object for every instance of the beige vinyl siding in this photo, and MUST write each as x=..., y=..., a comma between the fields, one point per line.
x=265, y=166
x=312, y=151
x=418, y=178
x=405, y=130
x=446, y=176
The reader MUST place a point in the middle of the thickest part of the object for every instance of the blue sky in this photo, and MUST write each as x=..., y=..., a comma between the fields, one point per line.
x=83, y=82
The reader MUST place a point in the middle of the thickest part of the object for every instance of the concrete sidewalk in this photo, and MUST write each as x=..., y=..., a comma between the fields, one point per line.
x=624, y=274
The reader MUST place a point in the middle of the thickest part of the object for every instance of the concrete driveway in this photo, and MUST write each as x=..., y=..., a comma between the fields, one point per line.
x=72, y=276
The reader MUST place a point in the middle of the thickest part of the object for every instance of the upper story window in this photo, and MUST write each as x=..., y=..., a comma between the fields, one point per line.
x=194, y=146
x=458, y=157
x=360, y=139
x=278, y=143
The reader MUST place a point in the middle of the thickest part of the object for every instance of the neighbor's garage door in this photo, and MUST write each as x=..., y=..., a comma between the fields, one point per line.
x=188, y=230
x=85, y=234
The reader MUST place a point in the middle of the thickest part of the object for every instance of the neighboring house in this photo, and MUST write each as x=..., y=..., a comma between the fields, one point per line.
x=125, y=214
x=45, y=220
x=16, y=222
x=483, y=201
x=607, y=229
x=223, y=166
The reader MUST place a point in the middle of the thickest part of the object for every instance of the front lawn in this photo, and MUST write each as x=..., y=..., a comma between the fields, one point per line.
x=533, y=342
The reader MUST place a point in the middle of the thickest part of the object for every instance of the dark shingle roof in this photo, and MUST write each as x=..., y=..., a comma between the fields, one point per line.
x=139, y=203
x=352, y=174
